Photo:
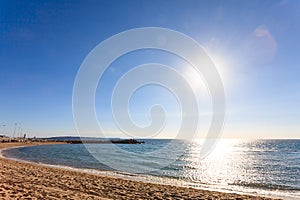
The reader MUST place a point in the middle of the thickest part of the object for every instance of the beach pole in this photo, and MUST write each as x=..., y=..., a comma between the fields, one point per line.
x=21, y=133
x=16, y=124
x=3, y=125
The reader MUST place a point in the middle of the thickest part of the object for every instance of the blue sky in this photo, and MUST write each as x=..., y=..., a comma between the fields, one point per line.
x=255, y=45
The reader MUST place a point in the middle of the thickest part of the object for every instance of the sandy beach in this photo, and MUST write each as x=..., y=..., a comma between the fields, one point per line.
x=20, y=180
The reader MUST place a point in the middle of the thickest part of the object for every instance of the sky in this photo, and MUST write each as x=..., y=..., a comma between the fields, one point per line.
x=254, y=44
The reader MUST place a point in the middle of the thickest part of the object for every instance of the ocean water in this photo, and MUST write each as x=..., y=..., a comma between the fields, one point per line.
x=263, y=167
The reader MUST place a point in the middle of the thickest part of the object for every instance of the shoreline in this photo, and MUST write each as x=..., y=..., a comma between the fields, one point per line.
x=119, y=187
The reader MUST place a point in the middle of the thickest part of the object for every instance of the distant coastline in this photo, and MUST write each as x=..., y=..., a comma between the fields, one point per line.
x=72, y=140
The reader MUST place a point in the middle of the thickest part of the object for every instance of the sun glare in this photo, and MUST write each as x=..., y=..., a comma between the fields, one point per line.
x=194, y=79
x=222, y=64
x=197, y=82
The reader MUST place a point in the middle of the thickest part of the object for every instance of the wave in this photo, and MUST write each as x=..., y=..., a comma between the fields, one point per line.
x=267, y=186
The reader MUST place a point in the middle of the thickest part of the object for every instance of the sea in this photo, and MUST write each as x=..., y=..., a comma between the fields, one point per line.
x=258, y=167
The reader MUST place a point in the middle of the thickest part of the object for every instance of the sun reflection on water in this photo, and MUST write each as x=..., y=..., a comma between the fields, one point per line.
x=224, y=165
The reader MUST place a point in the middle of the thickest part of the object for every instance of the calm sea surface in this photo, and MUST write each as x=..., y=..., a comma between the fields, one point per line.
x=265, y=167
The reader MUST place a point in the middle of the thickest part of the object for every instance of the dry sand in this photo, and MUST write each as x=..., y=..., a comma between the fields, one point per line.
x=20, y=180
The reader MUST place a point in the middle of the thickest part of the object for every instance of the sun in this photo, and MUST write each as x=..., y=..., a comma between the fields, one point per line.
x=222, y=64
x=194, y=79
x=197, y=81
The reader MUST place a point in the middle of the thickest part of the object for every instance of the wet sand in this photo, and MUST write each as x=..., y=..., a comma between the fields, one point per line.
x=21, y=180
